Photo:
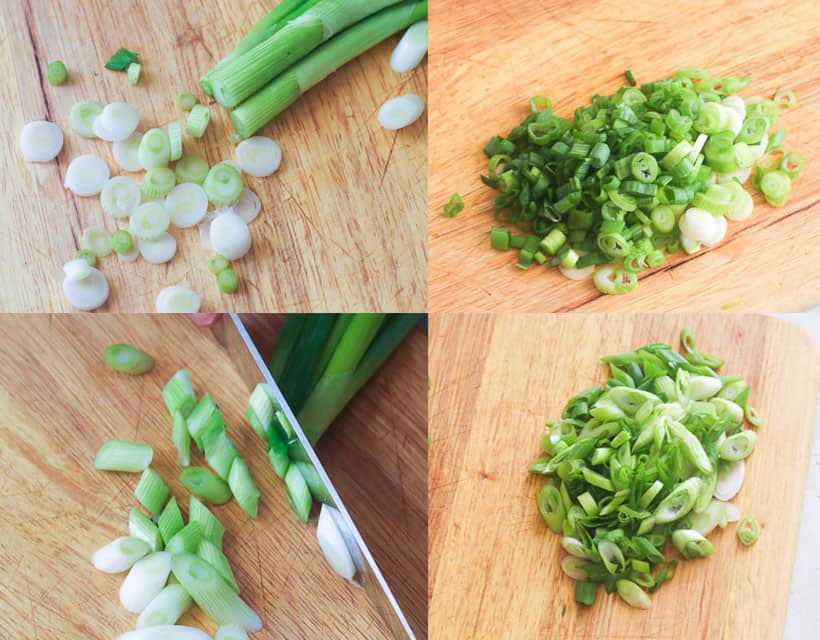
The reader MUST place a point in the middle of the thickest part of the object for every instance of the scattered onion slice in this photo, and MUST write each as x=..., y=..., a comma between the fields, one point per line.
x=100, y=131
x=120, y=555
x=149, y=221
x=97, y=240
x=41, y=141
x=411, y=49
x=77, y=269
x=248, y=206
x=82, y=116
x=577, y=274
x=736, y=103
x=230, y=235
x=187, y=204
x=126, y=152
x=145, y=580
x=258, y=156
x=689, y=244
x=697, y=224
x=131, y=256
x=177, y=300
x=89, y=293
x=119, y=120
x=333, y=545
x=401, y=112
x=160, y=250
x=721, y=227
x=86, y=175
x=120, y=196
x=730, y=480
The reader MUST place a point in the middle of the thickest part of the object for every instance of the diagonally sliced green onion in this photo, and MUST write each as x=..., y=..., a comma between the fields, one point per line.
x=691, y=544
x=261, y=410
x=158, y=182
x=738, y=446
x=230, y=632
x=212, y=594
x=298, y=493
x=243, y=487
x=119, y=455
x=213, y=555
x=140, y=526
x=748, y=531
x=128, y=359
x=205, y=485
x=181, y=439
x=120, y=555
x=170, y=521
x=204, y=418
x=151, y=491
x=279, y=459
x=145, y=581
x=212, y=528
x=314, y=482
x=166, y=608
x=178, y=394
x=186, y=539
x=454, y=206
x=219, y=452
x=632, y=594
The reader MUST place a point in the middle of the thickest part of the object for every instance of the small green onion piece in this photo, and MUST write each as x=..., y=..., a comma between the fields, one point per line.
x=454, y=206
x=752, y=415
x=133, y=73
x=539, y=103
x=228, y=281
x=691, y=544
x=314, y=482
x=203, y=419
x=632, y=594
x=205, y=485
x=168, y=607
x=186, y=101
x=56, y=73
x=217, y=264
x=119, y=455
x=219, y=452
x=151, y=491
x=154, y=150
x=244, y=488
x=170, y=521
x=120, y=555
x=298, y=493
x=158, y=182
x=140, y=526
x=213, y=555
x=553, y=241
x=121, y=60
x=785, y=98
x=223, y=185
x=500, y=238
x=212, y=594
x=174, y=140
x=585, y=593
x=792, y=164
x=279, y=459
x=181, y=439
x=82, y=116
x=738, y=446
x=198, y=120
x=122, y=241
x=186, y=539
x=178, y=394
x=89, y=256
x=262, y=409
x=551, y=507
x=127, y=359
x=212, y=528
x=679, y=502
x=748, y=531
x=192, y=169
x=630, y=78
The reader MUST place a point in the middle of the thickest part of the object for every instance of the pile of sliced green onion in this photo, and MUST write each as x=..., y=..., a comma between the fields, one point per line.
x=653, y=456
x=637, y=175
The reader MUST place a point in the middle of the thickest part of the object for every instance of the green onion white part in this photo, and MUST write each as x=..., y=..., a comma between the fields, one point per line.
x=186, y=205
x=41, y=141
x=165, y=632
x=142, y=527
x=243, y=487
x=248, y=206
x=149, y=221
x=577, y=274
x=175, y=140
x=87, y=175
x=736, y=103
x=258, y=156
x=401, y=112
x=126, y=152
x=121, y=455
x=158, y=183
x=177, y=300
x=120, y=555
x=192, y=168
x=119, y=120
x=82, y=116
x=411, y=49
x=730, y=480
x=77, y=269
x=732, y=512
x=160, y=250
x=133, y=254
x=212, y=554
x=231, y=632
x=166, y=608
x=347, y=536
x=100, y=131
x=715, y=515
x=133, y=72
x=212, y=529
x=120, y=196
x=145, y=581
x=97, y=240
x=632, y=594
x=154, y=150
x=230, y=236
x=88, y=293
x=698, y=225
x=333, y=545
x=198, y=120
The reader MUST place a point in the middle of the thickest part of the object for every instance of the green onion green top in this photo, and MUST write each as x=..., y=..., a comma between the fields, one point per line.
x=127, y=359
x=121, y=60
x=56, y=73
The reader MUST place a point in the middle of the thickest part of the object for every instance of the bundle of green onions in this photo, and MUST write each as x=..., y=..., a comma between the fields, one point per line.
x=320, y=361
x=296, y=46
x=636, y=175
x=652, y=456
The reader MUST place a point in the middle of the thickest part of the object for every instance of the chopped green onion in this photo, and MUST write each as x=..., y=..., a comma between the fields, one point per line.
x=140, y=526
x=223, y=185
x=228, y=281
x=204, y=418
x=298, y=493
x=154, y=150
x=121, y=60
x=127, y=359
x=691, y=544
x=630, y=78
x=748, y=531
x=454, y=206
x=166, y=608
x=212, y=528
x=279, y=459
x=192, y=169
x=785, y=98
x=151, y=491
x=198, y=120
x=178, y=394
x=174, y=141
x=206, y=485
x=145, y=581
x=219, y=451
x=243, y=487
x=97, y=240
x=632, y=594
x=82, y=116
x=792, y=164
x=213, y=555
x=314, y=482
x=120, y=555
x=585, y=593
x=56, y=73
x=122, y=242
x=186, y=539
x=158, y=182
x=133, y=73
x=119, y=455
x=89, y=256
x=217, y=264
x=170, y=521
x=231, y=632
x=186, y=101
x=738, y=446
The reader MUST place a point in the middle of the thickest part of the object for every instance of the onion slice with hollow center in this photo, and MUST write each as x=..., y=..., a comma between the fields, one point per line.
x=160, y=250
x=187, y=204
x=177, y=300
x=258, y=156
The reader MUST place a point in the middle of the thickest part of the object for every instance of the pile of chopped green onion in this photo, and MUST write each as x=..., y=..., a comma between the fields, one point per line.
x=637, y=175
x=652, y=456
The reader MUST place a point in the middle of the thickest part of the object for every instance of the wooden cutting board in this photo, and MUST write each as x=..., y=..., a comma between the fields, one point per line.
x=488, y=59
x=342, y=225
x=59, y=403
x=495, y=566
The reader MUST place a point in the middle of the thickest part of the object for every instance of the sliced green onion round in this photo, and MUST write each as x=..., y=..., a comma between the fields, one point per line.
x=126, y=152
x=87, y=175
x=88, y=293
x=159, y=250
x=120, y=555
x=186, y=101
x=230, y=236
x=41, y=141
x=258, y=156
x=56, y=73
x=698, y=224
x=691, y=544
x=611, y=280
x=198, y=120
x=175, y=140
x=120, y=120
x=154, y=150
x=129, y=360
x=748, y=531
x=82, y=116
x=177, y=300
x=122, y=242
x=149, y=221
x=401, y=112
x=158, y=182
x=187, y=205
x=228, y=281
x=632, y=594
x=738, y=446
x=192, y=169
x=133, y=72
x=411, y=49
x=223, y=184
x=120, y=196
x=776, y=186
x=97, y=240
x=121, y=455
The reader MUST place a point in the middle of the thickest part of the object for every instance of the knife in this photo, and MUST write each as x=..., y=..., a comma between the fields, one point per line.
x=234, y=337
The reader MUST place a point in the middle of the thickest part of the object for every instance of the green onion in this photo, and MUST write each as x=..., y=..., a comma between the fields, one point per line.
x=219, y=452
x=122, y=241
x=632, y=594
x=119, y=455
x=279, y=458
x=206, y=485
x=133, y=72
x=186, y=539
x=166, y=608
x=120, y=555
x=212, y=528
x=204, y=418
x=228, y=281
x=212, y=594
x=178, y=394
x=585, y=593
x=145, y=581
x=158, y=182
x=243, y=487
x=230, y=632
x=792, y=164
x=630, y=78
x=174, y=141
x=151, y=491
x=198, y=120
x=181, y=439
x=89, y=256
x=127, y=359
x=223, y=185
x=314, y=482
x=140, y=526
x=785, y=98
x=748, y=531
x=154, y=150
x=170, y=521
x=217, y=264
x=186, y=101
x=213, y=555
x=691, y=544
x=454, y=206
x=738, y=446
x=56, y=73
x=261, y=410
x=298, y=493
x=121, y=60
x=192, y=169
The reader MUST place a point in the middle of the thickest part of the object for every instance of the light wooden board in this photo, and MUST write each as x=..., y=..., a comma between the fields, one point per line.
x=487, y=59
x=376, y=455
x=59, y=403
x=495, y=566
x=343, y=224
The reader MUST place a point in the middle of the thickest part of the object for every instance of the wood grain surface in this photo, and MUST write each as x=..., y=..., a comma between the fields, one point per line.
x=59, y=403
x=376, y=455
x=342, y=227
x=488, y=59
x=494, y=565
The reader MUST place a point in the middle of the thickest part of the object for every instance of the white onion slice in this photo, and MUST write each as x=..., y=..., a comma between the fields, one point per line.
x=86, y=175
x=87, y=294
x=165, y=632
x=333, y=545
x=120, y=196
x=77, y=269
x=131, y=256
x=401, y=112
x=577, y=274
x=697, y=224
x=126, y=152
x=187, y=204
x=230, y=236
x=160, y=250
x=411, y=49
x=258, y=156
x=149, y=221
x=732, y=512
x=145, y=580
x=730, y=480
x=177, y=300
x=119, y=120
x=231, y=632
x=97, y=240
x=248, y=206
x=735, y=103
x=120, y=555
x=41, y=141
x=100, y=131
x=720, y=232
